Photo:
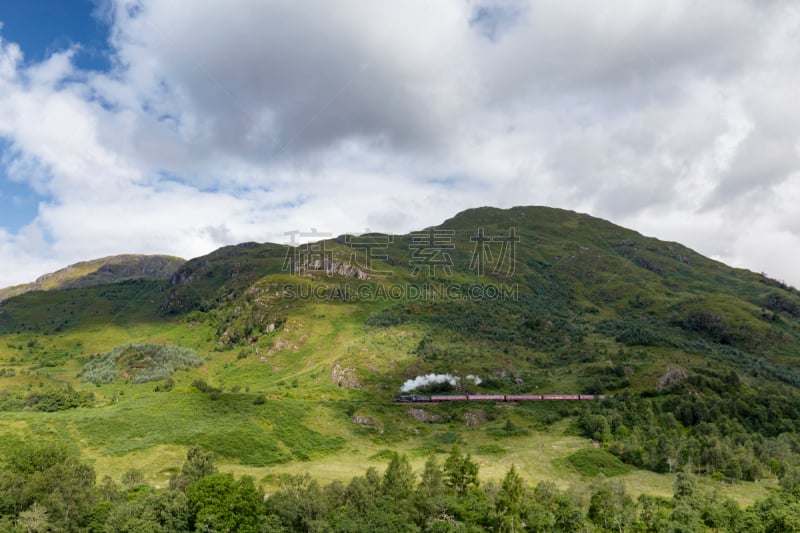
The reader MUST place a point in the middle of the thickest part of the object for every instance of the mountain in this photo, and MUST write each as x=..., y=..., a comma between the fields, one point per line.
x=601, y=280
x=281, y=360
x=99, y=272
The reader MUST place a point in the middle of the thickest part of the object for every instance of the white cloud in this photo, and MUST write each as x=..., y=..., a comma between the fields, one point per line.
x=239, y=121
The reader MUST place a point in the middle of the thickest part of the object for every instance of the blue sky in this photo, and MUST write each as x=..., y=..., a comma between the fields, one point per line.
x=159, y=128
x=40, y=28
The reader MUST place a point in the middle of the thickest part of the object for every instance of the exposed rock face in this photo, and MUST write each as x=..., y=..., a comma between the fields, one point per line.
x=335, y=267
x=475, y=418
x=345, y=377
x=367, y=421
x=672, y=376
x=424, y=416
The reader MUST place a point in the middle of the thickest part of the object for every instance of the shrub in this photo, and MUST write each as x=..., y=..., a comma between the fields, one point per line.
x=778, y=303
x=166, y=386
x=58, y=400
x=203, y=386
x=140, y=363
x=591, y=462
x=709, y=323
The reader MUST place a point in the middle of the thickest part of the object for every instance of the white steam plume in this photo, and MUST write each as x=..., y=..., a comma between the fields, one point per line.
x=431, y=379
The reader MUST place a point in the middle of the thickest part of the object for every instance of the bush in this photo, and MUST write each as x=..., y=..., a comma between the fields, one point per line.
x=203, y=386
x=778, y=303
x=709, y=323
x=167, y=386
x=58, y=400
x=633, y=333
x=140, y=363
x=591, y=462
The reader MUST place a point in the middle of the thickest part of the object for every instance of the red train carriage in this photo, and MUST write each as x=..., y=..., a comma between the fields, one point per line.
x=417, y=398
x=487, y=397
x=561, y=397
x=523, y=397
x=453, y=398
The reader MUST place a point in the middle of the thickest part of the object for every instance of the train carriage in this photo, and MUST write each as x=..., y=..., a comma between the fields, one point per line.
x=487, y=397
x=523, y=397
x=561, y=397
x=420, y=398
x=450, y=398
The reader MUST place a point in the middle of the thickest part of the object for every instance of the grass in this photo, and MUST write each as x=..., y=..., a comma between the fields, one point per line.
x=578, y=277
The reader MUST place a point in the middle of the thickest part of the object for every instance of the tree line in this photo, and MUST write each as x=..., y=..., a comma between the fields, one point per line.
x=45, y=488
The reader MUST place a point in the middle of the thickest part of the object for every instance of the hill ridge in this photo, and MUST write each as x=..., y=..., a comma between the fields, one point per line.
x=109, y=269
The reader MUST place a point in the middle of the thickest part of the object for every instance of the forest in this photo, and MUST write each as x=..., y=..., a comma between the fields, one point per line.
x=44, y=487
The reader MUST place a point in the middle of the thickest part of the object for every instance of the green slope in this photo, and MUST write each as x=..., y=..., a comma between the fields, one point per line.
x=304, y=364
x=99, y=272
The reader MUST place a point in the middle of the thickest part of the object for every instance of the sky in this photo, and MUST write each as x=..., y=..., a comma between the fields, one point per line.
x=173, y=127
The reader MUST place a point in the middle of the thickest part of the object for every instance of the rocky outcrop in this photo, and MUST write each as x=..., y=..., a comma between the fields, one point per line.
x=422, y=415
x=345, y=377
x=333, y=268
x=672, y=376
x=366, y=421
x=475, y=418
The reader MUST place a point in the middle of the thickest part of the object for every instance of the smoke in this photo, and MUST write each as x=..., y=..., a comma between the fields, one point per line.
x=435, y=379
x=475, y=379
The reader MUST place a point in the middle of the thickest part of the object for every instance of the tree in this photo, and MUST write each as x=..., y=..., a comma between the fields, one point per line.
x=550, y=504
x=132, y=478
x=34, y=520
x=300, y=503
x=28, y=458
x=684, y=486
x=460, y=472
x=360, y=495
x=220, y=503
x=509, y=502
x=790, y=479
x=166, y=512
x=431, y=484
x=612, y=509
x=653, y=513
x=430, y=495
x=685, y=518
x=398, y=480
x=71, y=492
x=198, y=465
x=109, y=491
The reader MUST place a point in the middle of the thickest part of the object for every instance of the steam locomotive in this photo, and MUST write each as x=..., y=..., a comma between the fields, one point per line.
x=422, y=398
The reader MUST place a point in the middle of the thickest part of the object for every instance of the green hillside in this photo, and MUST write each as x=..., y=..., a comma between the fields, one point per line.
x=100, y=272
x=303, y=351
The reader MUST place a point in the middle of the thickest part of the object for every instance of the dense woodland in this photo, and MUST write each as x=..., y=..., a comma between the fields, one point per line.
x=735, y=433
x=43, y=487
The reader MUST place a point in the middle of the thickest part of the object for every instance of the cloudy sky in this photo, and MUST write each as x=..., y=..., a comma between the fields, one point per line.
x=148, y=126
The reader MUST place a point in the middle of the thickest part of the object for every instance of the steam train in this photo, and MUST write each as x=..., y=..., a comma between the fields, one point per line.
x=422, y=398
